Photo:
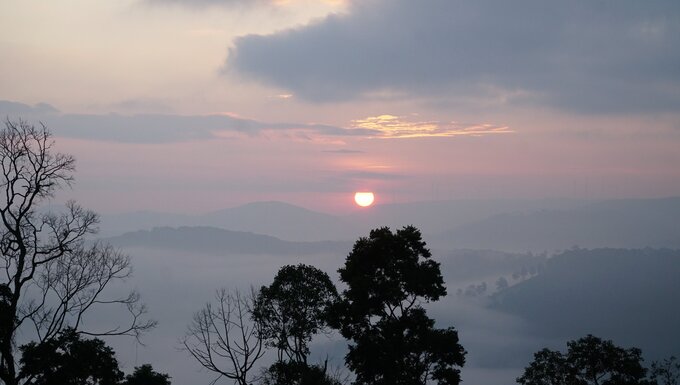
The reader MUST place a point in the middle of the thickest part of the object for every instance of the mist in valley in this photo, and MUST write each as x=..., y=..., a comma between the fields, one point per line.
x=550, y=296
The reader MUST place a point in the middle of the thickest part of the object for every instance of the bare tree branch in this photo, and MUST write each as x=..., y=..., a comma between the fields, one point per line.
x=49, y=277
x=223, y=337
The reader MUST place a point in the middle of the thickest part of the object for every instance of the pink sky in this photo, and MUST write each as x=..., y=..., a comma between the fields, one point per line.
x=330, y=97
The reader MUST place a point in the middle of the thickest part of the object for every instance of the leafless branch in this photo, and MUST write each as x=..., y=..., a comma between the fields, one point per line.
x=49, y=278
x=224, y=339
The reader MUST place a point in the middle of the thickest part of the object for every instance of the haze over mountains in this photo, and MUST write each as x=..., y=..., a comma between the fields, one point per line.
x=501, y=225
x=215, y=240
x=629, y=295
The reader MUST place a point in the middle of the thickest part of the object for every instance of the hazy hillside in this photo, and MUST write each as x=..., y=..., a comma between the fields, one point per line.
x=438, y=216
x=618, y=223
x=630, y=296
x=218, y=241
x=519, y=226
x=295, y=223
x=466, y=265
x=278, y=219
x=281, y=220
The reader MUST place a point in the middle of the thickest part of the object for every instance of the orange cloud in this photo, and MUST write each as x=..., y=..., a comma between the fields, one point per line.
x=390, y=126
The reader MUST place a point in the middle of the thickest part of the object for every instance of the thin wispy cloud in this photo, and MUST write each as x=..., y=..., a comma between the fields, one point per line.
x=167, y=128
x=344, y=151
x=205, y=3
x=374, y=175
x=390, y=126
x=237, y=3
x=164, y=128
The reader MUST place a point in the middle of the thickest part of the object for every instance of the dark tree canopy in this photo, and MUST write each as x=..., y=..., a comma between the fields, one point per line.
x=145, y=375
x=549, y=367
x=388, y=276
x=294, y=308
x=70, y=360
x=588, y=361
x=297, y=373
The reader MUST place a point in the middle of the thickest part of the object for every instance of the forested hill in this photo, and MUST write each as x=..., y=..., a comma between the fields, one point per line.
x=631, y=296
x=204, y=239
x=628, y=223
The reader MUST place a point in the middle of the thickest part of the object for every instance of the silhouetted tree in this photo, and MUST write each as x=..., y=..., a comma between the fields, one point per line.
x=145, y=375
x=549, y=367
x=7, y=321
x=297, y=373
x=502, y=284
x=224, y=338
x=69, y=360
x=666, y=372
x=388, y=276
x=588, y=361
x=293, y=309
x=481, y=288
x=48, y=277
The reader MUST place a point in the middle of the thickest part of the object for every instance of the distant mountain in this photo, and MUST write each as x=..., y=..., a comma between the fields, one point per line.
x=217, y=241
x=295, y=223
x=281, y=220
x=117, y=224
x=434, y=217
x=630, y=223
x=507, y=225
x=278, y=219
x=630, y=296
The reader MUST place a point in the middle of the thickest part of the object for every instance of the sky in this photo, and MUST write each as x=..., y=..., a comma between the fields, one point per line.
x=192, y=106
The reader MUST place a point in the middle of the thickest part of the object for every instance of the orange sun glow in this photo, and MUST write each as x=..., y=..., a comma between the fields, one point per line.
x=364, y=199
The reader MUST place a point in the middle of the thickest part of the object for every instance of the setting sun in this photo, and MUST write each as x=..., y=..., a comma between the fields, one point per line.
x=364, y=199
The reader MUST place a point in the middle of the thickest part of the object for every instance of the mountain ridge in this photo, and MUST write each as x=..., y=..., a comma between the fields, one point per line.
x=213, y=240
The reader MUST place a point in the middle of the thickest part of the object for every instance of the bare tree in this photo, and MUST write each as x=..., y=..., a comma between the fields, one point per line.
x=223, y=337
x=49, y=277
x=666, y=372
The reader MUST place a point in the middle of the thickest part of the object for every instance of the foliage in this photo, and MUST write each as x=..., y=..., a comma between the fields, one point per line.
x=69, y=360
x=224, y=338
x=297, y=373
x=588, y=360
x=666, y=372
x=294, y=308
x=502, y=284
x=145, y=375
x=49, y=278
x=388, y=276
x=548, y=368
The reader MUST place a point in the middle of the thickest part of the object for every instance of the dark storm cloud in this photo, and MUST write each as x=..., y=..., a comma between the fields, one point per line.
x=587, y=56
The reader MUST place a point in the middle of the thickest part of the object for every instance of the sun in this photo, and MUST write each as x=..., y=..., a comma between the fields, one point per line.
x=364, y=199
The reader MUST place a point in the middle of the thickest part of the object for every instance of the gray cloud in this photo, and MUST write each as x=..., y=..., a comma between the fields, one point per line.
x=13, y=109
x=587, y=56
x=155, y=128
x=165, y=128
